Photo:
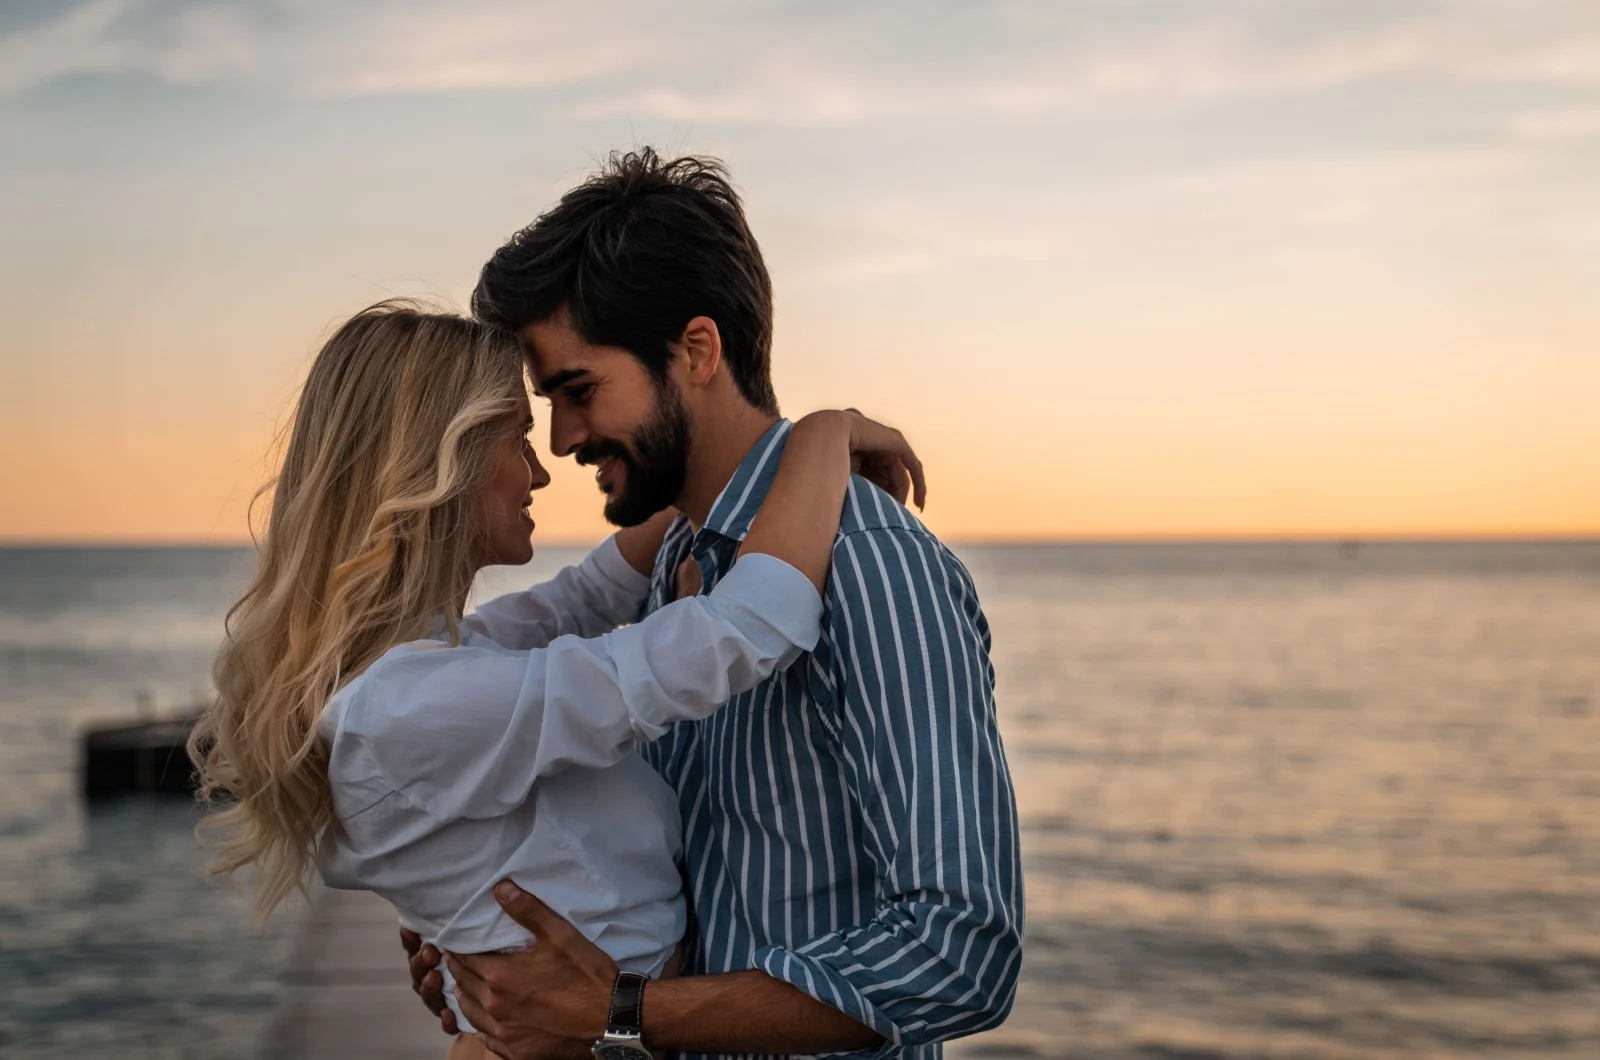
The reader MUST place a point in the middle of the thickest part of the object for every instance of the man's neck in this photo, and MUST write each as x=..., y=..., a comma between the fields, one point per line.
x=720, y=444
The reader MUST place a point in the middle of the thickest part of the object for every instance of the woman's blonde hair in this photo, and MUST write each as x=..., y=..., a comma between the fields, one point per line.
x=371, y=535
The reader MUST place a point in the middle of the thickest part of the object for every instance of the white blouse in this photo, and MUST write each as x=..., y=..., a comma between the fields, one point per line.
x=512, y=754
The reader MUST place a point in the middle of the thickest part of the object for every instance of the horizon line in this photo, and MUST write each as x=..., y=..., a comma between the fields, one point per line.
x=21, y=544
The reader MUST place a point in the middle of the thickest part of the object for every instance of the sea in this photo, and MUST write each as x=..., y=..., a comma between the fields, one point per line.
x=1278, y=800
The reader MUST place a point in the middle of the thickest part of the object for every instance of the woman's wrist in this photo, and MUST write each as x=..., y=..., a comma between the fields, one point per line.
x=832, y=421
x=827, y=428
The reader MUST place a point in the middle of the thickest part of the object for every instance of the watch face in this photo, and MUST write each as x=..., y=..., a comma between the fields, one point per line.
x=623, y=1050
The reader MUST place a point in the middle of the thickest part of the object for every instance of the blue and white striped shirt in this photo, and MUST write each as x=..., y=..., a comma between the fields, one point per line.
x=849, y=824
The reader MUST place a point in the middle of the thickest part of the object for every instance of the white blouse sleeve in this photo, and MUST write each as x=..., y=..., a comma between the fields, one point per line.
x=598, y=594
x=465, y=731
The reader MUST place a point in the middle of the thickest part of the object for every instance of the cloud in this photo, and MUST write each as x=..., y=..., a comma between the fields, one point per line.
x=1563, y=123
x=81, y=41
x=722, y=63
x=324, y=49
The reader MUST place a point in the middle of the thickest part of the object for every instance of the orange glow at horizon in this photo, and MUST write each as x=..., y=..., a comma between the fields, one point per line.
x=1064, y=462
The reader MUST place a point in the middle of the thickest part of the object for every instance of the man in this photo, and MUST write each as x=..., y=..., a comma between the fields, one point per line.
x=850, y=828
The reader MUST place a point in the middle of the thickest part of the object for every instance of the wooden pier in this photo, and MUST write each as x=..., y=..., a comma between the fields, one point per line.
x=346, y=992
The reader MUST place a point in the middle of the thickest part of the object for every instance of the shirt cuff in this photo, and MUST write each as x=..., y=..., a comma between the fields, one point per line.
x=777, y=592
x=819, y=980
x=609, y=562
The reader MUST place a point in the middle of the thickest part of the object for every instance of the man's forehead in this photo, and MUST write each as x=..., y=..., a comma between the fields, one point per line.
x=554, y=348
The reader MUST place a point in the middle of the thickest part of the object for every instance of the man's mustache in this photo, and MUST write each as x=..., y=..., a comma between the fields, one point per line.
x=593, y=452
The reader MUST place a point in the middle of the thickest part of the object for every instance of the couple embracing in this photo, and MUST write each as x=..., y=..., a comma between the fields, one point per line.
x=732, y=784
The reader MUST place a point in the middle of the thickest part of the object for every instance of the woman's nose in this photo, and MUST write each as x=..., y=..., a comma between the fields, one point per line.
x=541, y=477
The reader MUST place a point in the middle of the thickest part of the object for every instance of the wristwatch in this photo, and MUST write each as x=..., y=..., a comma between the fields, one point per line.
x=624, y=1039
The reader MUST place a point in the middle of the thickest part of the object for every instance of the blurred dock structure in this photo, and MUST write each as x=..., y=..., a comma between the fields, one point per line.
x=346, y=991
x=147, y=754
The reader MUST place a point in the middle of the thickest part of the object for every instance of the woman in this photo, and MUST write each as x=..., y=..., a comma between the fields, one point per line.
x=364, y=726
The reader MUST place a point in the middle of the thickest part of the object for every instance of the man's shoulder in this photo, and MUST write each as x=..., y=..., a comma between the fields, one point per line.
x=881, y=543
x=897, y=597
x=868, y=508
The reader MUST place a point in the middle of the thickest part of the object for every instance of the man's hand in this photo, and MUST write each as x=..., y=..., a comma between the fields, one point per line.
x=551, y=1002
x=426, y=982
x=546, y=1002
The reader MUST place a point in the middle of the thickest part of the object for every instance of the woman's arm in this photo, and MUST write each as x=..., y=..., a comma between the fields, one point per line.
x=605, y=590
x=465, y=731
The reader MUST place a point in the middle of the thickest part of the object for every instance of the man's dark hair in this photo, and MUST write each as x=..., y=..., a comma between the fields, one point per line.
x=634, y=253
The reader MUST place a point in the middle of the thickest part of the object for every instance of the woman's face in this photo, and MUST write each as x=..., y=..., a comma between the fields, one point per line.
x=513, y=474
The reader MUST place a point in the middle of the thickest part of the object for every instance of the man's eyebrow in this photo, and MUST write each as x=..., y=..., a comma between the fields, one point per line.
x=551, y=383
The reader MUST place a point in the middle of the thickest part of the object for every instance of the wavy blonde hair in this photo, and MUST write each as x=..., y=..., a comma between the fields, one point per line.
x=371, y=534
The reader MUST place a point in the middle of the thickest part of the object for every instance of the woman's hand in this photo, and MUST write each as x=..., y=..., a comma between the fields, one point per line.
x=880, y=454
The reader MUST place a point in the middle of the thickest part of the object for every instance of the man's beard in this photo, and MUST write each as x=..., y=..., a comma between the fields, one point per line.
x=656, y=466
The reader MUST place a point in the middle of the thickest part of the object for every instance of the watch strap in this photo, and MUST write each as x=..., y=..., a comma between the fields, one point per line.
x=627, y=1004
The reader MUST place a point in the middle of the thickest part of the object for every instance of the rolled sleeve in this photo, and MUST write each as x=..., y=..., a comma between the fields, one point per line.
x=767, y=587
x=913, y=714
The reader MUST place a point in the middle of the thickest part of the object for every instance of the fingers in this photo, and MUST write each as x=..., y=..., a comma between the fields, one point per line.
x=466, y=972
x=887, y=474
x=893, y=475
x=432, y=995
x=421, y=963
x=533, y=914
x=426, y=982
x=899, y=482
x=919, y=481
x=868, y=437
x=431, y=988
x=486, y=1026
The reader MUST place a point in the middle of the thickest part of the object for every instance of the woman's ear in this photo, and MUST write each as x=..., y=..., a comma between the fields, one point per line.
x=701, y=345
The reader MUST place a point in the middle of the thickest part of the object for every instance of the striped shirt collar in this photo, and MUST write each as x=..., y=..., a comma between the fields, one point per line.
x=736, y=506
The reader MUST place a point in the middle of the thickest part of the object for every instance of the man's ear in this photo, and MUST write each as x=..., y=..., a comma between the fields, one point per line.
x=701, y=345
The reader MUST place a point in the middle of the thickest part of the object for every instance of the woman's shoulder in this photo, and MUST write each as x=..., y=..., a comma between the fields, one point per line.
x=410, y=683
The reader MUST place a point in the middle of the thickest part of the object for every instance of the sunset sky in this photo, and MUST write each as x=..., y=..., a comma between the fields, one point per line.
x=1165, y=268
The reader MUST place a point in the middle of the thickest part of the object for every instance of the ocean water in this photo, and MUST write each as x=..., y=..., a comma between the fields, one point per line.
x=1278, y=801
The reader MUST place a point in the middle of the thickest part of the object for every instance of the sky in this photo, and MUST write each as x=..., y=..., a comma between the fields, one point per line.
x=1149, y=269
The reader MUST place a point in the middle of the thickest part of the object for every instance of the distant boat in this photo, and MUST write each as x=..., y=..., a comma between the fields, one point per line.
x=141, y=756
x=1349, y=549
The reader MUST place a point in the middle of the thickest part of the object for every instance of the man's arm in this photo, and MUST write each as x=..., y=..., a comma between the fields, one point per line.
x=910, y=706
x=552, y=1000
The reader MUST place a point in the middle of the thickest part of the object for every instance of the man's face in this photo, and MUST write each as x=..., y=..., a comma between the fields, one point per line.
x=613, y=415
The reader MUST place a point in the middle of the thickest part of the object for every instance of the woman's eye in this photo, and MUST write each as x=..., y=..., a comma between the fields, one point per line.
x=581, y=393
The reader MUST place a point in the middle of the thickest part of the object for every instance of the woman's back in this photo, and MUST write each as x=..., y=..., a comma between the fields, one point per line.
x=598, y=845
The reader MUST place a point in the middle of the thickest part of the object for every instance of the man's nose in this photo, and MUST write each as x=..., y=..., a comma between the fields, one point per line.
x=567, y=432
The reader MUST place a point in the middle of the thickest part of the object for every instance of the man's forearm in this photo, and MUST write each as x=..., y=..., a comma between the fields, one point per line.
x=746, y=1012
